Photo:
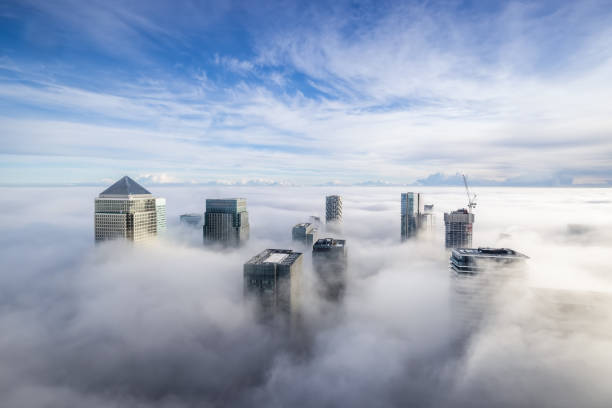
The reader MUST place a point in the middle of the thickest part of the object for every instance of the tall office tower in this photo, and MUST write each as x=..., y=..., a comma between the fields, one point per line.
x=273, y=278
x=128, y=210
x=427, y=220
x=226, y=221
x=411, y=214
x=193, y=220
x=333, y=211
x=481, y=276
x=458, y=228
x=329, y=258
x=160, y=214
x=315, y=221
x=305, y=232
x=474, y=260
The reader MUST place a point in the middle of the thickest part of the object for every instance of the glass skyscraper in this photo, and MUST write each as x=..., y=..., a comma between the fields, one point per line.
x=411, y=214
x=329, y=259
x=226, y=221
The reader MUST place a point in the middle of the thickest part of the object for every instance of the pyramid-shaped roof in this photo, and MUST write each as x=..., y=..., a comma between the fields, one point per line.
x=125, y=187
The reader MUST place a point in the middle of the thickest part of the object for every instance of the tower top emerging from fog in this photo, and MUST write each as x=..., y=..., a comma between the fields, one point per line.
x=125, y=187
x=128, y=210
x=333, y=209
x=226, y=221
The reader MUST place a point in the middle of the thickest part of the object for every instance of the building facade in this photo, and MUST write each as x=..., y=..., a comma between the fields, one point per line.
x=458, y=225
x=305, y=233
x=129, y=211
x=329, y=259
x=411, y=214
x=273, y=280
x=333, y=209
x=160, y=215
x=226, y=221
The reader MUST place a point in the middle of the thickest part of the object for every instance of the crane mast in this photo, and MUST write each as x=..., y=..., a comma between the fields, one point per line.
x=471, y=198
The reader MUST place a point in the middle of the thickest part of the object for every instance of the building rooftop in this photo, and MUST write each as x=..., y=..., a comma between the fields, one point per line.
x=225, y=199
x=489, y=253
x=275, y=256
x=329, y=243
x=125, y=187
x=225, y=204
x=302, y=225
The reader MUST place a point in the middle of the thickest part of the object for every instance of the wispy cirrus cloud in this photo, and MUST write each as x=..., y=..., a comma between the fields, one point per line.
x=312, y=94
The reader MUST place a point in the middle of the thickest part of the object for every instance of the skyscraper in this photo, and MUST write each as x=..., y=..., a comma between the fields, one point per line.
x=194, y=219
x=428, y=221
x=473, y=260
x=333, y=210
x=329, y=259
x=458, y=228
x=411, y=214
x=305, y=232
x=226, y=221
x=273, y=278
x=480, y=275
x=128, y=210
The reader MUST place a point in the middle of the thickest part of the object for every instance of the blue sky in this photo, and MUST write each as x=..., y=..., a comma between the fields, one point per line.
x=305, y=93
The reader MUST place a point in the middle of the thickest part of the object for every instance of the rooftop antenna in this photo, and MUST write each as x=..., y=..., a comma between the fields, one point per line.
x=471, y=198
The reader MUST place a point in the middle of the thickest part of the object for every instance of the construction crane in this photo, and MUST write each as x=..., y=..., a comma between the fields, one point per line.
x=471, y=198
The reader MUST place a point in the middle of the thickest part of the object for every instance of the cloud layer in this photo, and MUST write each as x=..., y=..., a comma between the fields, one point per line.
x=166, y=325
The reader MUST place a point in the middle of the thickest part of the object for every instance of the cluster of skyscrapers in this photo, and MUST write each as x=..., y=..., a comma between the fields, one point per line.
x=128, y=210
x=416, y=216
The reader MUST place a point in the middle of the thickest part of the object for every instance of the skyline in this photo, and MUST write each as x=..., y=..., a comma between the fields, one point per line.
x=166, y=324
x=281, y=93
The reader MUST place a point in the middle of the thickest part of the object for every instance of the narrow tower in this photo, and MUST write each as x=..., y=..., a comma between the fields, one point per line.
x=333, y=210
x=411, y=214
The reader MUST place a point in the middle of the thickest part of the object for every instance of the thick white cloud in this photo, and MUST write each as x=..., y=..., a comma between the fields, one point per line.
x=166, y=324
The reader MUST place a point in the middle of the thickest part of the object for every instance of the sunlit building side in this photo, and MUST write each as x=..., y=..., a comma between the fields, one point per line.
x=129, y=211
